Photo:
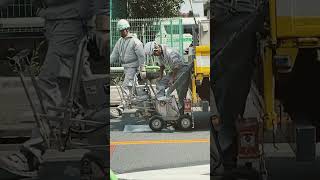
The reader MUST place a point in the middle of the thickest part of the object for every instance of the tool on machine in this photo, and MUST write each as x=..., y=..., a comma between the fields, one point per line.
x=167, y=109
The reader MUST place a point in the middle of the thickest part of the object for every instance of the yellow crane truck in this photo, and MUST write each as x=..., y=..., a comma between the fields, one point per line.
x=285, y=84
x=287, y=54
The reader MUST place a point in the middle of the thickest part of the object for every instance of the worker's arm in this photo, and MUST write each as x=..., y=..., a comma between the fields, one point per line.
x=162, y=67
x=139, y=52
x=101, y=21
x=115, y=53
x=101, y=7
x=101, y=10
x=5, y=3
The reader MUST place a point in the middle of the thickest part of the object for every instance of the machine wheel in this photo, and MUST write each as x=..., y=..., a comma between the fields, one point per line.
x=185, y=123
x=92, y=168
x=156, y=123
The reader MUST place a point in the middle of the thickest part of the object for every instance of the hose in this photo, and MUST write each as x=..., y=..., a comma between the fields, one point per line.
x=89, y=130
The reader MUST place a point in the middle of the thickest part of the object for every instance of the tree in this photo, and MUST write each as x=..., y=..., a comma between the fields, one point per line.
x=119, y=9
x=154, y=8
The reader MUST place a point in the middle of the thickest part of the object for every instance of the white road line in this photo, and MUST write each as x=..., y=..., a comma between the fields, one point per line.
x=200, y=172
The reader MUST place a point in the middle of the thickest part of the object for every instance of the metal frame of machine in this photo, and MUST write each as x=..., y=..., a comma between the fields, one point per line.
x=58, y=140
x=159, y=112
x=281, y=44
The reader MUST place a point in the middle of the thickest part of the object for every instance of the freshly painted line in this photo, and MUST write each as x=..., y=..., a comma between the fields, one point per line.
x=183, y=173
x=167, y=141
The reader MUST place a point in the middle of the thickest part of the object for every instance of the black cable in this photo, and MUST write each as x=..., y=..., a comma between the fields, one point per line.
x=88, y=131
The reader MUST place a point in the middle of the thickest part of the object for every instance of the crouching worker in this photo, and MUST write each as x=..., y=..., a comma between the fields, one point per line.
x=179, y=71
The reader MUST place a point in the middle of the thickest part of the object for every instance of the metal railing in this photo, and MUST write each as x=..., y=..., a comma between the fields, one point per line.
x=20, y=16
x=20, y=8
x=162, y=30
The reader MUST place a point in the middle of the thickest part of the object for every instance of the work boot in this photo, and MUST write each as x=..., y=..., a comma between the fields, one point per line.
x=26, y=162
x=223, y=170
x=230, y=157
x=17, y=164
x=223, y=164
x=120, y=109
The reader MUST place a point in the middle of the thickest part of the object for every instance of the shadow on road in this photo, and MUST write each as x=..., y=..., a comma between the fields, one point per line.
x=201, y=122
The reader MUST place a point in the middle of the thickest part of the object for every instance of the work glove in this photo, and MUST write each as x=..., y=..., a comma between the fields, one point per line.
x=161, y=75
x=143, y=72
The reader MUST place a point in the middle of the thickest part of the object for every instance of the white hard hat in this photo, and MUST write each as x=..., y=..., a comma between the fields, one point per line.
x=122, y=24
x=149, y=47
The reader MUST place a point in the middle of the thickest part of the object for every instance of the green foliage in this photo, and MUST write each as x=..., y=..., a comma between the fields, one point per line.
x=119, y=9
x=154, y=8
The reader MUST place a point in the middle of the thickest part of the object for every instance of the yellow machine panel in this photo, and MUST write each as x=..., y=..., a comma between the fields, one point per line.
x=202, y=61
x=201, y=69
x=297, y=18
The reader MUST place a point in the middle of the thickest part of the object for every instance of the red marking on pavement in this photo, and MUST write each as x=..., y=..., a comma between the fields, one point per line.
x=112, y=149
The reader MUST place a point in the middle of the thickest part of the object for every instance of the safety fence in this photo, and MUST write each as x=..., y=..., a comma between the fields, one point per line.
x=167, y=31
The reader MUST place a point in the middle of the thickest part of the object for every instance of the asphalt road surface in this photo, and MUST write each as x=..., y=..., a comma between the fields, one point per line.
x=141, y=151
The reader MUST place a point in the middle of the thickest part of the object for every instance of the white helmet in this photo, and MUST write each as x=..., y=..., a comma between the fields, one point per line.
x=149, y=47
x=122, y=24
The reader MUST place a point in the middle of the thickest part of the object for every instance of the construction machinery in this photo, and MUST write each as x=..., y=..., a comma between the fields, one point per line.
x=160, y=112
x=290, y=47
x=287, y=59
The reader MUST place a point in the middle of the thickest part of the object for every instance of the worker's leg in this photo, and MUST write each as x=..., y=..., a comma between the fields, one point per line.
x=64, y=38
x=231, y=92
x=232, y=69
x=184, y=79
x=162, y=85
x=128, y=82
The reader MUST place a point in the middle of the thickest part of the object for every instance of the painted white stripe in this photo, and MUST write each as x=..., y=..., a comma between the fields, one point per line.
x=183, y=173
